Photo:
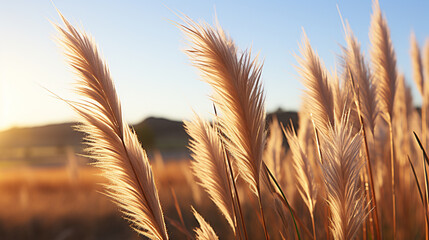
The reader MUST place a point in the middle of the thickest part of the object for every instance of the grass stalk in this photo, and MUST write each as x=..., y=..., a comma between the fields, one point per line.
x=424, y=130
x=392, y=168
x=231, y=174
x=178, y=210
x=261, y=209
x=176, y=224
x=284, y=199
x=366, y=192
x=371, y=179
x=314, y=227
x=370, y=220
x=426, y=198
x=418, y=187
x=368, y=159
x=319, y=151
x=231, y=181
x=425, y=157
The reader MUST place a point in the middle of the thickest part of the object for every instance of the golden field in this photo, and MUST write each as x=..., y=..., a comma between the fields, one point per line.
x=67, y=203
x=353, y=166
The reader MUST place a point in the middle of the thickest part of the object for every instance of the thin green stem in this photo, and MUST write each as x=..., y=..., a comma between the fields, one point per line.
x=284, y=199
x=230, y=173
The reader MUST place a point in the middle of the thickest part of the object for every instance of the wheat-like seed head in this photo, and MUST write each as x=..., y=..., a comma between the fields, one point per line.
x=403, y=109
x=364, y=88
x=209, y=165
x=425, y=96
x=238, y=94
x=383, y=61
x=340, y=94
x=205, y=231
x=416, y=62
x=341, y=171
x=111, y=142
x=318, y=99
x=425, y=61
x=303, y=171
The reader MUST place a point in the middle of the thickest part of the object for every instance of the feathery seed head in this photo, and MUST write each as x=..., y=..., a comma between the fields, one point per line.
x=205, y=231
x=209, y=165
x=111, y=142
x=383, y=61
x=341, y=171
x=238, y=94
x=318, y=94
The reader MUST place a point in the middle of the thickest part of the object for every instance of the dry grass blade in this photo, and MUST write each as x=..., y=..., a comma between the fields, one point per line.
x=421, y=147
x=319, y=99
x=209, y=166
x=417, y=182
x=178, y=210
x=423, y=199
x=285, y=202
x=341, y=170
x=179, y=226
x=111, y=142
x=205, y=231
x=238, y=94
x=425, y=161
x=274, y=154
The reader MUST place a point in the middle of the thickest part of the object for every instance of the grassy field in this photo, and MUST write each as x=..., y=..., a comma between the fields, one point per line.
x=354, y=168
x=53, y=203
x=66, y=203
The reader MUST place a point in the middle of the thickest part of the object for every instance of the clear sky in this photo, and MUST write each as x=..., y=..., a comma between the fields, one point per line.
x=145, y=51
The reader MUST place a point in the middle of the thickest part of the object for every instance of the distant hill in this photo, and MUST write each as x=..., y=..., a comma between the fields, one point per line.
x=41, y=136
x=284, y=117
x=162, y=134
x=168, y=136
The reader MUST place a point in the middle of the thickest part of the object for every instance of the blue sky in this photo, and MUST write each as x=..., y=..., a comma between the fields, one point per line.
x=145, y=50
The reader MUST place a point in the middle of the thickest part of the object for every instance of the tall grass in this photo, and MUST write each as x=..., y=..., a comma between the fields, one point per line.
x=340, y=133
x=385, y=74
x=111, y=142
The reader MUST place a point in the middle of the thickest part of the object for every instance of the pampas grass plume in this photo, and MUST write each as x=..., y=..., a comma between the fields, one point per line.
x=111, y=142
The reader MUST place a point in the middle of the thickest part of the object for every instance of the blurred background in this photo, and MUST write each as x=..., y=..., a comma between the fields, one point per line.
x=48, y=188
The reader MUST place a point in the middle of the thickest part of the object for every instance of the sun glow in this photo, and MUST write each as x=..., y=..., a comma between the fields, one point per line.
x=6, y=120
